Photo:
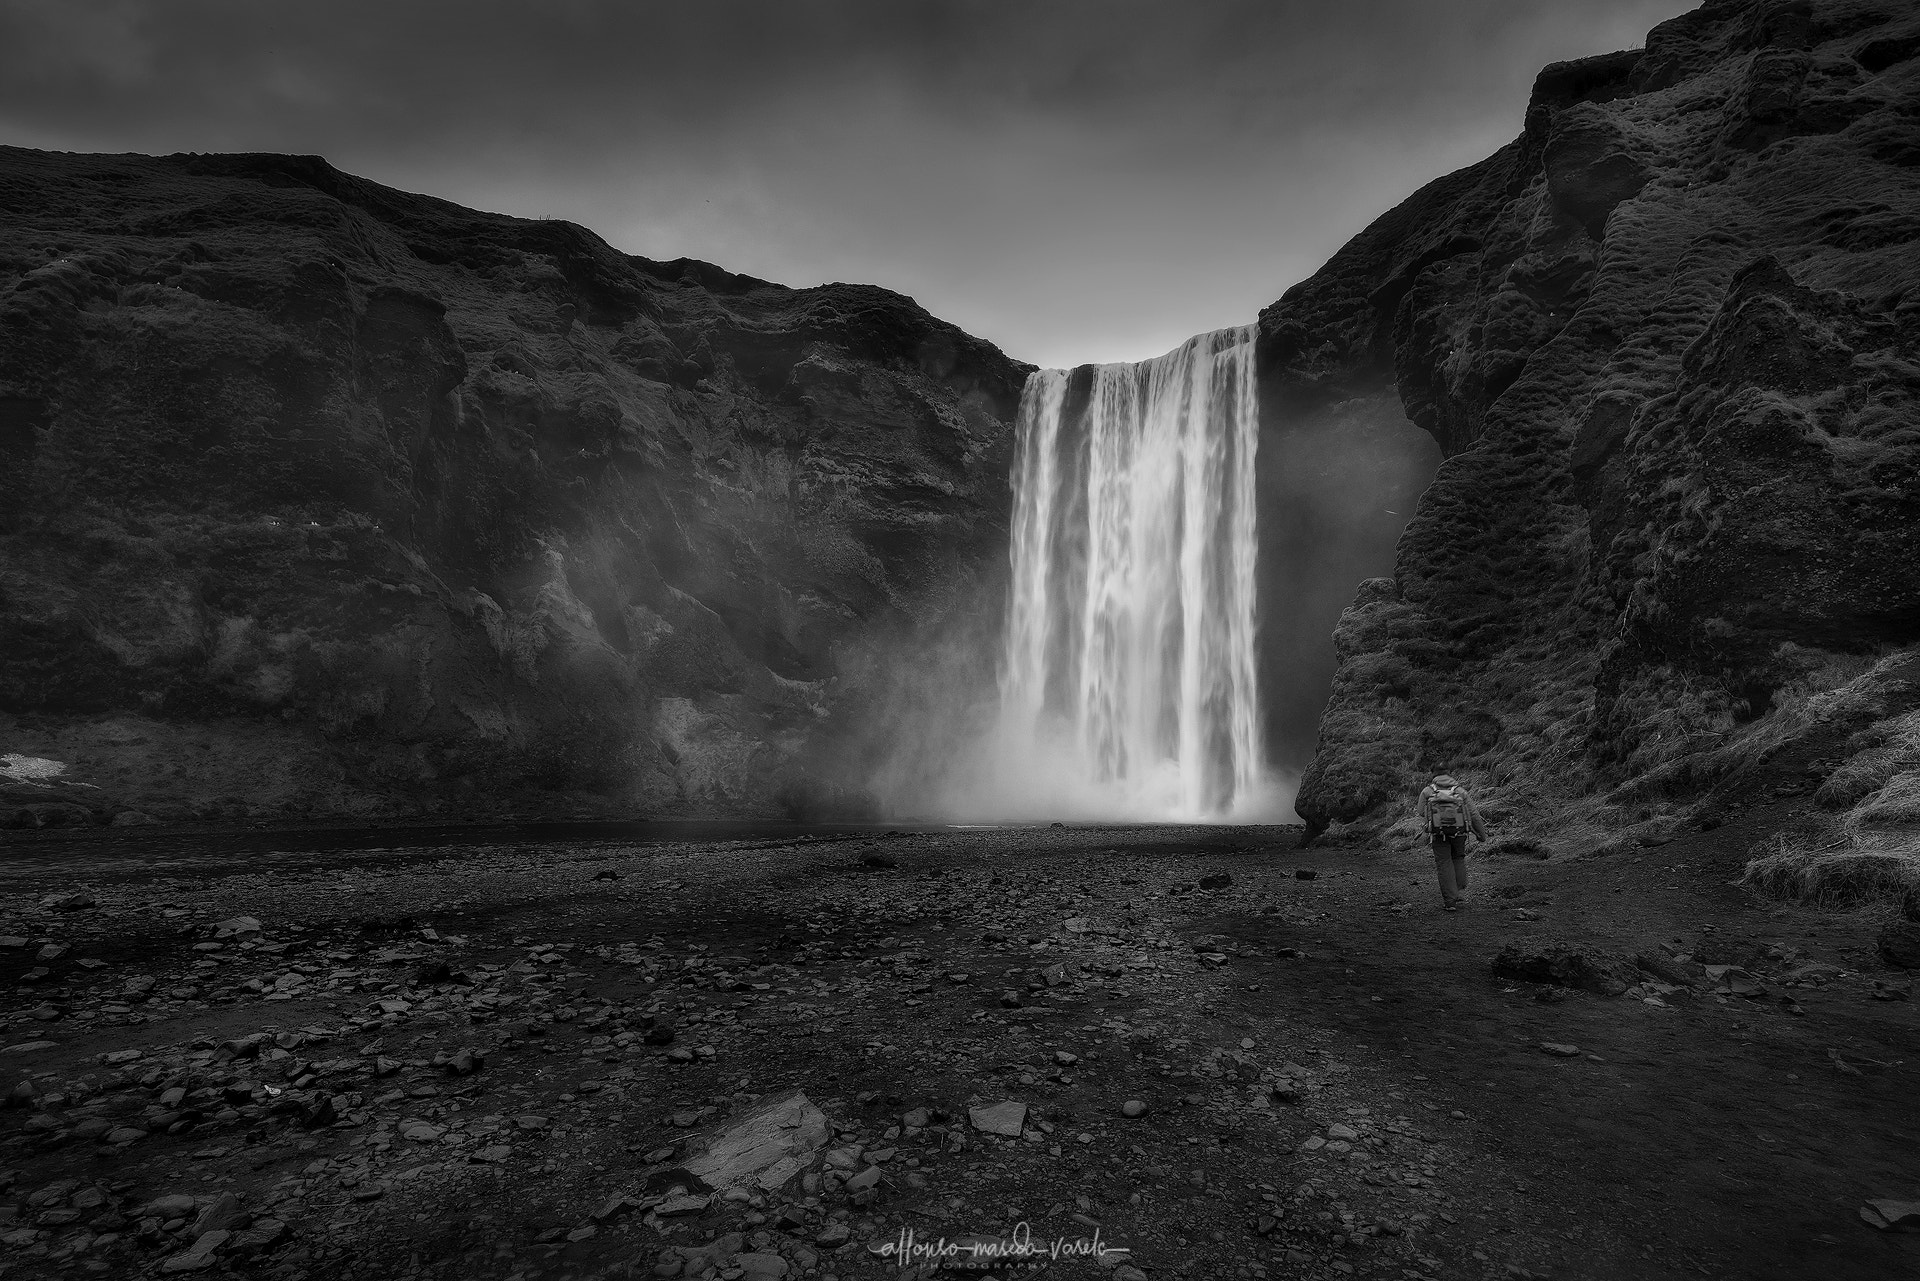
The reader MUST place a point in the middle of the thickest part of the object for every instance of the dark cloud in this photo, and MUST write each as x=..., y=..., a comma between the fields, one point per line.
x=1075, y=179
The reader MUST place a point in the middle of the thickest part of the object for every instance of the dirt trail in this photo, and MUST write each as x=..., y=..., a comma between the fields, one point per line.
x=1336, y=1083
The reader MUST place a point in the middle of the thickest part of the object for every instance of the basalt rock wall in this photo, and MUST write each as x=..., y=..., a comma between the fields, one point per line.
x=1668, y=342
x=321, y=498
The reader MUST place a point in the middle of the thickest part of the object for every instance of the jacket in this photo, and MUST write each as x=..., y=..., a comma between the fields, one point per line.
x=1473, y=814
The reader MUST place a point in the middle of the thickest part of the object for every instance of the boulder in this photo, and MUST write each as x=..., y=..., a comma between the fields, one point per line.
x=1899, y=944
x=1668, y=970
x=1564, y=965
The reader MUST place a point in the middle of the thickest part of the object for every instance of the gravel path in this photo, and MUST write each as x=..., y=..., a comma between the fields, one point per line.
x=495, y=1060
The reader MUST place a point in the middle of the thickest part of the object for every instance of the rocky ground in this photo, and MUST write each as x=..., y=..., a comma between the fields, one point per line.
x=1220, y=1053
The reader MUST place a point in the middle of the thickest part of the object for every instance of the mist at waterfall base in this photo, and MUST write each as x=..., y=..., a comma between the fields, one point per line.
x=1128, y=673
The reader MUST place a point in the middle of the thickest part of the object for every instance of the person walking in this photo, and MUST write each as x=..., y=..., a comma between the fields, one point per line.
x=1449, y=814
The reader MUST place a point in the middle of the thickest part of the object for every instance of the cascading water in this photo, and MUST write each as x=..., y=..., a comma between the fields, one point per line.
x=1128, y=677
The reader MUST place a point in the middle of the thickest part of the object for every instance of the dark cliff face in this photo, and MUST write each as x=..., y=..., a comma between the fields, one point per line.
x=346, y=500
x=1669, y=343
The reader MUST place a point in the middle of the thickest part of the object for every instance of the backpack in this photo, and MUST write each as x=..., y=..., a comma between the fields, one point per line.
x=1447, y=812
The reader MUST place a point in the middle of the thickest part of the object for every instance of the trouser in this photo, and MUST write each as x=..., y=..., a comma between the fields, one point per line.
x=1450, y=864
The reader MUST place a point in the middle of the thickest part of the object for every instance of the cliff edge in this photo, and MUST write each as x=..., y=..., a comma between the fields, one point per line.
x=1668, y=341
x=326, y=499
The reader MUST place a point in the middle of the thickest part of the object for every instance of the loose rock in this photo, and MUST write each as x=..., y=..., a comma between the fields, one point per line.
x=1001, y=1118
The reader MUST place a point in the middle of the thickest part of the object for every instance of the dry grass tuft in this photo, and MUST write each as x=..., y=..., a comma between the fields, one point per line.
x=1889, y=817
x=1877, y=754
x=1516, y=847
x=1836, y=876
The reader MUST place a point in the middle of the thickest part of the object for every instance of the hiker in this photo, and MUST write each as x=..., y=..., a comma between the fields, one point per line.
x=1449, y=815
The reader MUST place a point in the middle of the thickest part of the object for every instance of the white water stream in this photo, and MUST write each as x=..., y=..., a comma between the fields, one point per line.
x=1128, y=685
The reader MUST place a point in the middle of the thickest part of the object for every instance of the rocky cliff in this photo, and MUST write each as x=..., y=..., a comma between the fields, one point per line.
x=1668, y=341
x=323, y=498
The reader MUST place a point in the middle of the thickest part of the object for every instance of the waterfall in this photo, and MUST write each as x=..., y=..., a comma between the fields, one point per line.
x=1128, y=669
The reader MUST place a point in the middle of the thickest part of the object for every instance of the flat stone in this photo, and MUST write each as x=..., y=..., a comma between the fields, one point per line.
x=766, y=1148
x=760, y=1265
x=29, y=1047
x=1338, y=1131
x=680, y=1205
x=1007, y=1118
x=200, y=1256
x=1559, y=1050
x=613, y=1205
x=220, y=1213
x=1899, y=1215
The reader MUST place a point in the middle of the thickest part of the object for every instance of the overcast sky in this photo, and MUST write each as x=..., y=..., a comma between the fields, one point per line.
x=1073, y=179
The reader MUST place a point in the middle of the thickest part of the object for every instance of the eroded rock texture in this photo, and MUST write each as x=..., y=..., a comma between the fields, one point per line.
x=1669, y=342
x=325, y=498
